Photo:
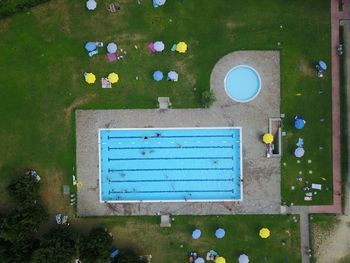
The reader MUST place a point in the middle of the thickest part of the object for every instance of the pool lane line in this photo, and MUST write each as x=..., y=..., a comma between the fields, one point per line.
x=172, y=191
x=171, y=147
x=171, y=169
x=170, y=158
x=170, y=136
x=172, y=180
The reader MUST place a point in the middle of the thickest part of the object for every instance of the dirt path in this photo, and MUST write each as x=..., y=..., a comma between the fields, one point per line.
x=334, y=244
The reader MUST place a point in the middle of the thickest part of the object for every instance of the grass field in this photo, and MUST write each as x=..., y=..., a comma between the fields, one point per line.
x=171, y=245
x=42, y=60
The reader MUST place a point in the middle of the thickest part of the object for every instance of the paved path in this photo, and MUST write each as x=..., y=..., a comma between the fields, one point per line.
x=304, y=235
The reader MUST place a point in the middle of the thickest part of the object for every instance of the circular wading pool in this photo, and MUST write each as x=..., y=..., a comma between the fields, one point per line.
x=242, y=83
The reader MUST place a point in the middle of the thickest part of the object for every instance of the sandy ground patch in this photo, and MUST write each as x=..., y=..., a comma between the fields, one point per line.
x=332, y=245
x=306, y=68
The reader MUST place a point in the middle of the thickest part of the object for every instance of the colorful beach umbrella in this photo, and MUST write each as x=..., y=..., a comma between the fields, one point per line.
x=268, y=138
x=112, y=48
x=157, y=75
x=90, y=78
x=90, y=46
x=299, y=152
x=220, y=260
x=91, y=5
x=220, y=233
x=243, y=258
x=113, y=77
x=264, y=232
x=181, y=47
x=159, y=46
x=322, y=65
x=299, y=124
x=172, y=75
x=196, y=234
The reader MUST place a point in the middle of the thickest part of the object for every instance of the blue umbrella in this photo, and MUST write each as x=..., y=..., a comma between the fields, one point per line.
x=90, y=46
x=157, y=75
x=323, y=65
x=220, y=233
x=299, y=124
x=196, y=234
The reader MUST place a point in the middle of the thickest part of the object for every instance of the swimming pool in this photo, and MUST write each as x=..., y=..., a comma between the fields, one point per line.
x=242, y=83
x=177, y=164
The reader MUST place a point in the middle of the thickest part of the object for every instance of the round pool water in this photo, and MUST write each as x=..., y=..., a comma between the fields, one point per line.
x=242, y=83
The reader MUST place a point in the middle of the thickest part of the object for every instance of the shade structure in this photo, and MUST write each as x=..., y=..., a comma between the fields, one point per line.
x=172, y=75
x=322, y=65
x=90, y=78
x=220, y=233
x=181, y=47
x=199, y=260
x=91, y=5
x=268, y=138
x=112, y=47
x=220, y=260
x=196, y=234
x=299, y=124
x=243, y=258
x=299, y=152
x=159, y=2
x=113, y=77
x=264, y=232
x=90, y=46
x=159, y=46
x=157, y=75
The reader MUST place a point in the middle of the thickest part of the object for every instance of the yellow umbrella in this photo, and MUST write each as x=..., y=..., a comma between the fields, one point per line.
x=113, y=77
x=90, y=78
x=79, y=184
x=220, y=260
x=181, y=47
x=264, y=232
x=267, y=138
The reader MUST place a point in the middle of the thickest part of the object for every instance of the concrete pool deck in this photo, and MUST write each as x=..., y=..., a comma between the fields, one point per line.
x=261, y=186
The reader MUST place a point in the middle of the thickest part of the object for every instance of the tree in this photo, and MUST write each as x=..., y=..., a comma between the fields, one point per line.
x=207, y=99
x=97, y=247
x=22, y=222
x=128, y=256
x=24, y=189
x=59, y=246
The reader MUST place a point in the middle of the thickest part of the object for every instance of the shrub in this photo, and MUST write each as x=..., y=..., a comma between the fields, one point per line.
x=207, y=99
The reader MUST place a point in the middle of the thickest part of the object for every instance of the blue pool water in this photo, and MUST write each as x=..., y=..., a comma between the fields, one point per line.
x=242, y=83
x=170, y=164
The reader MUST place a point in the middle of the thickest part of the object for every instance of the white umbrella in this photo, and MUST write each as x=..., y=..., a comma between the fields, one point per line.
x=173, y=75
x=112, y=48
x=199, y=260
x=299, y=152
x=159, y=2
x=159, y=46
x=91, y=4
x=243, y=258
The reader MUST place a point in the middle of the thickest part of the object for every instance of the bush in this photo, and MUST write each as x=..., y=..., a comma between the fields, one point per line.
x=207, y=99
x=9, y=7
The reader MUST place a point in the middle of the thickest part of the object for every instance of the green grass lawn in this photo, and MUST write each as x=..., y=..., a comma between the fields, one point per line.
x=42, y=60
x=171, y=245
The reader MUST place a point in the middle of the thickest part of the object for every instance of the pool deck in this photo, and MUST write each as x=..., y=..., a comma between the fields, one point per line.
x=261, y=186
